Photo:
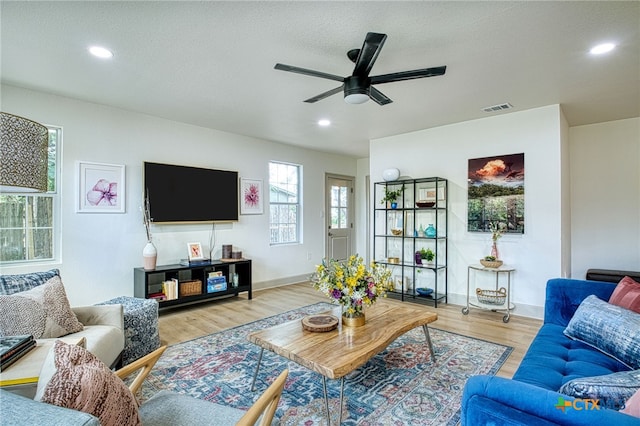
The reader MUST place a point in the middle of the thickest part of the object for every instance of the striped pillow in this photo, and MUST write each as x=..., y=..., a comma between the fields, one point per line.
x=627, y=295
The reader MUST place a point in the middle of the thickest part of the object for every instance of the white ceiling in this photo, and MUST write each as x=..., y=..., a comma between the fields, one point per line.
x=211, y=63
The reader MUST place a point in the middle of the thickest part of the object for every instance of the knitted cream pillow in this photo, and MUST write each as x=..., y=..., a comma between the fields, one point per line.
x=43, y=311
x=82, y=382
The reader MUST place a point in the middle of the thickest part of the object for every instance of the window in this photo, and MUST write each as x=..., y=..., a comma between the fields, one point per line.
x=284, y=203
x=27, y=221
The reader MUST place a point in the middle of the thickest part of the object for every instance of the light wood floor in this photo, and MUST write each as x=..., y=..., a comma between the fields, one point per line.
x=186, y=323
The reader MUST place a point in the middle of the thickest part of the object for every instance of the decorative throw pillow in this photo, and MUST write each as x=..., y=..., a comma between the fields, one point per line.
x=43, y=311
x=84, y=383
x=613, y=390
x=627, y=294
x=10, y=284
x=611, y=329
x=632, y=407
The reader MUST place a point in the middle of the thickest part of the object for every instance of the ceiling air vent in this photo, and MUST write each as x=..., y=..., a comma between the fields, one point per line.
x=497, y=108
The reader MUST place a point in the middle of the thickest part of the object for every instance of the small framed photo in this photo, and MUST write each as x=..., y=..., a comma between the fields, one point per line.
x=195, y=251
x=101, y=188
x=250, y=196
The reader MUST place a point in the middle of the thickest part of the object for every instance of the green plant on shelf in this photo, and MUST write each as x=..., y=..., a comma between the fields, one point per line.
x=391, y=195
x=427, y=254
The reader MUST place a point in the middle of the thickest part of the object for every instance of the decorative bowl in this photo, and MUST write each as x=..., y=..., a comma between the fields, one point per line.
x=423, y=291
x=395, y=231
x=422, y=203
x=491, y=263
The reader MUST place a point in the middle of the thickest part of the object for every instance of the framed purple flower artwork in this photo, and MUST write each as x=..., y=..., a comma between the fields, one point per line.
x=251, y=196
x=101, y=188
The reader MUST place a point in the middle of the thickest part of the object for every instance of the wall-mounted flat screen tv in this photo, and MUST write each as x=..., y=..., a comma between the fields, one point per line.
x=190, y=194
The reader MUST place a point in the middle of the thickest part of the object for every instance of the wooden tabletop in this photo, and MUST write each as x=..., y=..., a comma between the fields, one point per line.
x=27, y=369
x=336, y=353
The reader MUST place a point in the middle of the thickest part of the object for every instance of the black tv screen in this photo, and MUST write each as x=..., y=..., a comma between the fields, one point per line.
x=190, y=194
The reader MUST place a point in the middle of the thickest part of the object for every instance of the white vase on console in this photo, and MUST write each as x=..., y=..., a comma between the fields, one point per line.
x=150, y=256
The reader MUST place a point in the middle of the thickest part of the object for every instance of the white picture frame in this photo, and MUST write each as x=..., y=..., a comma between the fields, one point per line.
x=101, y=188
x=194, y=251
x=251, y=196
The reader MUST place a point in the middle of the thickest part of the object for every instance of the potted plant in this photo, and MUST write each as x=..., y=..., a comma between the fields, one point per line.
x=391, y=195
x=491, y=262
x=427, y=254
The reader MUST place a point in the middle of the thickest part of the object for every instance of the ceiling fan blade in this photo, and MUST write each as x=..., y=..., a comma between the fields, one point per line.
x=312, y=73
x=371, y=48
x=325, y=94
x=379, y=97
x=408, y=75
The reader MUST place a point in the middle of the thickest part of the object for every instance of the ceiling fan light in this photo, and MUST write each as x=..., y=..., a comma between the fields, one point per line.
x=356, y=98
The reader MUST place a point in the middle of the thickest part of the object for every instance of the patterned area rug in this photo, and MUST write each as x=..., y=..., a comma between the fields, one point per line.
x=399, y=386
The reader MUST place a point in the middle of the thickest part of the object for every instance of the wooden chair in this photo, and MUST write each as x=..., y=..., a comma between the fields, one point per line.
x=169, y=408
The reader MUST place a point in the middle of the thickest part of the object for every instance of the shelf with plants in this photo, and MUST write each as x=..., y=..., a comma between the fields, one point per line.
x=412, y=228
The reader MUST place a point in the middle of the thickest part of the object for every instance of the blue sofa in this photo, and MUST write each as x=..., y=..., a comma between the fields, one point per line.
x=530, y=397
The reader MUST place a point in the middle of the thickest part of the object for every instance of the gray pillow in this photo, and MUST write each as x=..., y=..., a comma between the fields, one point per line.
x=613, y=390
x=43, y=312
x=611, y=329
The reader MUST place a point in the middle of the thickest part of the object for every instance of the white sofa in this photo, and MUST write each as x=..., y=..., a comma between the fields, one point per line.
x=103, y=328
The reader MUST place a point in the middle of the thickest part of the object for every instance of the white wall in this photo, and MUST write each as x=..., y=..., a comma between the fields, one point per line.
x=99, y=251
x=444, y=151
x=605, y=196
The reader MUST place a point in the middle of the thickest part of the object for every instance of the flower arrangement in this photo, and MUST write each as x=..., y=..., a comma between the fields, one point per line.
x=350, y=283
x=497, y=229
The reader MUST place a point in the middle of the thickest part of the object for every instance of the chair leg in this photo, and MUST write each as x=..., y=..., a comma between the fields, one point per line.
x=266, y=405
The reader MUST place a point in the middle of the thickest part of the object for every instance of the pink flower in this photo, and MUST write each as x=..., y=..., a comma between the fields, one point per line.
x=252, y=195
x=103, y=193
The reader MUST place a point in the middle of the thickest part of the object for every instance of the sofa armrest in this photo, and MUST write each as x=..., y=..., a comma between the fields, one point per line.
x=112, y=315
x=499, y=401
x=564, y=295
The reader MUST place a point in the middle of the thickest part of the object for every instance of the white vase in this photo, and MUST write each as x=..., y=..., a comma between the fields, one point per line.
x=390, y=174
x=150, y=255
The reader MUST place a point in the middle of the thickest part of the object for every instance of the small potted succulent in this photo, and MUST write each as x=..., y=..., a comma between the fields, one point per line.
x=490, y=262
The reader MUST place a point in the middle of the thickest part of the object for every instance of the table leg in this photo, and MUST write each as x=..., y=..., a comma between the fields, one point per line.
x=428, y=337
x=341, y=395
x=253, y=383
x=326, y=399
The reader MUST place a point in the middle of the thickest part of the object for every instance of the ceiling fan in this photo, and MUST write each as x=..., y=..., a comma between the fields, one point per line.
x=357, y=87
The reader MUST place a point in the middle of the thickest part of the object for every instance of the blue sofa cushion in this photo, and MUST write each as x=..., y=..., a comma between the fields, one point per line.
x=613, y=390
x=609, y=328
x=554, y=359
x=10, y=284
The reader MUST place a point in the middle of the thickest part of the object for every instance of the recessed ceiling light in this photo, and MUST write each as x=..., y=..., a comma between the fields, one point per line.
x=324, y=123
x=602, y=48
x=100, y=52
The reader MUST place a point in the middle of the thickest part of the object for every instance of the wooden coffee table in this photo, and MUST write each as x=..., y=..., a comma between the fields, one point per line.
x=336, y=353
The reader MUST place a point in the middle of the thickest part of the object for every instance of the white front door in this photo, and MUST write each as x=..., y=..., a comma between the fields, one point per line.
x=339, y=218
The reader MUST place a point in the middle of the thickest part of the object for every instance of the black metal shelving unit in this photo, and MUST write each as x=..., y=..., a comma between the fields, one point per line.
x=398, y=233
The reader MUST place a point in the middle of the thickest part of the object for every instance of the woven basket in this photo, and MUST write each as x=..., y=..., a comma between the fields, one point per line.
x=190, y=288
x=492, y=297
x=491, y=263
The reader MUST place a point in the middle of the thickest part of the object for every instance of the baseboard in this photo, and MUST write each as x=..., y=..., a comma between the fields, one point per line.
x=280, y=282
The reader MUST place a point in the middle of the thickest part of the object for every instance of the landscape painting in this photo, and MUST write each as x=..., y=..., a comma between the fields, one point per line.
x=496, y=193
